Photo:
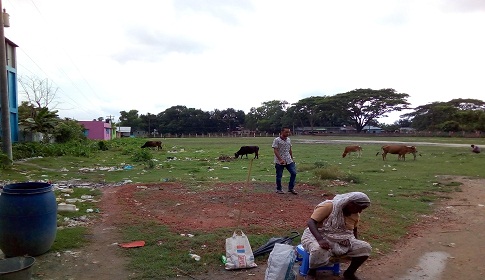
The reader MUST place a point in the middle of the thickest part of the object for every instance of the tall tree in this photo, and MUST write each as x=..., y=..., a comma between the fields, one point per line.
x=39, y=92
x=309, y=110
x=454, y=115
x=130, y=119
x=267, y=117
x=361, y=106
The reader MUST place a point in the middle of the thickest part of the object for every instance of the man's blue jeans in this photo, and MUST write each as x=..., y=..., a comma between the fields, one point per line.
x=279, y=174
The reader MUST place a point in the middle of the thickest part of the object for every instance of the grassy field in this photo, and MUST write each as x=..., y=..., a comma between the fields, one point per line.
x=401, y=191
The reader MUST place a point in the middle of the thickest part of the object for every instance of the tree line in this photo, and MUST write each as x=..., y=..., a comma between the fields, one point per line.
x=357, y=108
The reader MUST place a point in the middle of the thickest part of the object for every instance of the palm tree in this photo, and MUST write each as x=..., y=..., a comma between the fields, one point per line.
x=43, y=121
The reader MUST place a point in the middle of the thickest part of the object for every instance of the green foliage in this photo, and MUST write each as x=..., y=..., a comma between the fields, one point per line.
x=150, y=164
x=35, y=149
x=102, y=145
x=361, y=106
x=142, y=155
x=454, y=115
x=43, y=121
x=5, y=162
x=68, y=130
x=267, y=117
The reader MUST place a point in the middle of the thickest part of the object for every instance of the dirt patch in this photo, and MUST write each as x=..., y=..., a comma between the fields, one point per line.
x=455, y=228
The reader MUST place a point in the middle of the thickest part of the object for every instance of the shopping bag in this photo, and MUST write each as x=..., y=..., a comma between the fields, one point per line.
x=238, y=252
x=280, y=263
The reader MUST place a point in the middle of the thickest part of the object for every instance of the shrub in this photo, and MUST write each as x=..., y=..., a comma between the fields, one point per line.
x=102, y=145
x=68, y=130
x=141, y=156
x=5, y=162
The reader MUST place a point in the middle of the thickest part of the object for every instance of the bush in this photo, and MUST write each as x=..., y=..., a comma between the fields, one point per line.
x=69, y=130
x=141, y=156
x=102, y=145
x=5, y=162
x=72, y=148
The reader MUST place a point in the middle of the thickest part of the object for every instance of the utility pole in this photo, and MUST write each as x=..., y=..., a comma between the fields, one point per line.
x=6, y=134
x=110, y=118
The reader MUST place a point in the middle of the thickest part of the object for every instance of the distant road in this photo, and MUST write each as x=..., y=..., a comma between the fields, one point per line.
x=319, y=141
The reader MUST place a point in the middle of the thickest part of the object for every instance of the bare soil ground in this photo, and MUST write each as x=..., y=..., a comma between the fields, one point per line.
x=456, y=228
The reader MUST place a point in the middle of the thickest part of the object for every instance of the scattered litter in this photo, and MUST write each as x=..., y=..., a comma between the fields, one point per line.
x=134, y=244
x=480, y=205
x=225, y=167
x=128, y=167
x=141, y=187
x=390, y=194
x=67, y=190
x=86, y=196
x=195, y=257
x=452, y=245
x=89, y=210
x=394, y=169
x=66, y=207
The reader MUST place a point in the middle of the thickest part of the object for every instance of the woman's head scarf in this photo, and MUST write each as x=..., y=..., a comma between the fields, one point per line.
x=336, y=219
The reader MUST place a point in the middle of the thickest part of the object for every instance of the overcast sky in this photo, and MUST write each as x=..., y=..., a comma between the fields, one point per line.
x=107, y=56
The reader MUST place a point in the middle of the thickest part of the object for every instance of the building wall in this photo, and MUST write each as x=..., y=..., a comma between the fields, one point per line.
x=12, y=90
x=97, y=130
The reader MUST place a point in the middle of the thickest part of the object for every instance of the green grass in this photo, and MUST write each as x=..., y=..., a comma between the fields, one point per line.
x=400, y=191
x=70, y=238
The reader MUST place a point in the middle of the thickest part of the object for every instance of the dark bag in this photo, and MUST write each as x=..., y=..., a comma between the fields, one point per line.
x=268, y=247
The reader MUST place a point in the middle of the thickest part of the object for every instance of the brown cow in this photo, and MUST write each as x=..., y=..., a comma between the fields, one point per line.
x=352, y=149
x=400, y=150
x=151, y=144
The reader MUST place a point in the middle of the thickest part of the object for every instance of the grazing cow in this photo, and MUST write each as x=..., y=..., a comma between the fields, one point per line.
x=400, y=150
x=153, y=144
x=245, y=150
x=352, y=149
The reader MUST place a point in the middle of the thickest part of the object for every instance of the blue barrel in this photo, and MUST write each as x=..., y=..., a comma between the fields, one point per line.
x=28, y=219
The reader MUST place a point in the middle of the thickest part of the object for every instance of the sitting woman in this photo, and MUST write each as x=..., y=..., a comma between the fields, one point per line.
x=332, y=231
x=475, y=149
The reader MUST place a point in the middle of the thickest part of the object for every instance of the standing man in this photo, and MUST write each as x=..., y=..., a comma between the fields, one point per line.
x=283, y=158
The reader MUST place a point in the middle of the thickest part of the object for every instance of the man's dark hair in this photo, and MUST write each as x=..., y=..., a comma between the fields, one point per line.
x=284, y=127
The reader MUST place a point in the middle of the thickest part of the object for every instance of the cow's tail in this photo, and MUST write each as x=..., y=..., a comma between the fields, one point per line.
x=378, y=153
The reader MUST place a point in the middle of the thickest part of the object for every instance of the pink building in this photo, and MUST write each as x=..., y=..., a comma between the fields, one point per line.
x=97, y=130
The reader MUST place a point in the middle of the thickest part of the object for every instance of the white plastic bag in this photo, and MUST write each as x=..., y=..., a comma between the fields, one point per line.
x=280, y=263
x=238, y=252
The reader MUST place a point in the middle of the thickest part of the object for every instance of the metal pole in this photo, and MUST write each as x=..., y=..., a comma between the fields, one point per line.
x=6, y=134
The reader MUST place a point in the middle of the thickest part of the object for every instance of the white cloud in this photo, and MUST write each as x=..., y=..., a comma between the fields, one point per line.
x=110, y=56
